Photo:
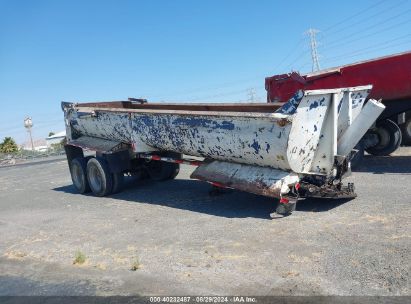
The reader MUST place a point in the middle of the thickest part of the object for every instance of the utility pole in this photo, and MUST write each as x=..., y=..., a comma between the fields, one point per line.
x=314, y=53
x=251, y=95
x=28, y=124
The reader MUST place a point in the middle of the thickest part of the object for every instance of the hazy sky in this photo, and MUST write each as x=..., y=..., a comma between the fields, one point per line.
x=174, y=50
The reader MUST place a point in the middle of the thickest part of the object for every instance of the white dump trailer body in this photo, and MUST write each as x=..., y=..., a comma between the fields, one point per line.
x=260, y=148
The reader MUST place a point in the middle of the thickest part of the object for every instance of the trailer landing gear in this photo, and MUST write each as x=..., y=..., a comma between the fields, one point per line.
x=285, y=207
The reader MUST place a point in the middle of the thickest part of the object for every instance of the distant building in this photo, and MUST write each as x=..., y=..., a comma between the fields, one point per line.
x=55, y=139
x=40, y=145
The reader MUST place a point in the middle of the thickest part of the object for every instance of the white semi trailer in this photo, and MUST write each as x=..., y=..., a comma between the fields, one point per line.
x=301, y=149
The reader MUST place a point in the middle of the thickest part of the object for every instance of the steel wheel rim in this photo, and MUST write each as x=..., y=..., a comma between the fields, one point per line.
x=96, y=180
x=384, y=137
x=78, y=177
x=408, y=128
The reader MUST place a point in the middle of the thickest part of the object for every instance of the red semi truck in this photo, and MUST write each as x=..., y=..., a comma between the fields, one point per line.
x=390, y=77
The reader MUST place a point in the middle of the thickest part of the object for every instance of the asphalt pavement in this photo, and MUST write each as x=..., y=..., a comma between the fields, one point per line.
x=173, y=238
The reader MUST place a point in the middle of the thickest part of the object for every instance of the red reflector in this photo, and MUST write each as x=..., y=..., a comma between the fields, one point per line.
x=284, y=200
x=217, y=185
x=195, y=163
x=155, y=157
x=178, y=161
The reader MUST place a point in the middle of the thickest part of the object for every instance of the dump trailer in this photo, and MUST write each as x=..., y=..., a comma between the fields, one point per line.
x=390, y=77
x=290, y=152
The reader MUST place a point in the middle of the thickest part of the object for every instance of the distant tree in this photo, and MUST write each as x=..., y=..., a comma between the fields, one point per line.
x=8, y=145
x=51, y=133
x=58, y=146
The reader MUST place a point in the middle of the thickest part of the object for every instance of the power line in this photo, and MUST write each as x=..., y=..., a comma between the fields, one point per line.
x=361, y=52
x=382, y=43
x=287, y=57
x=361, y=38
x=296, y=59
x=206, y=88
x=341, y=40
x=214, y=96
x=296, y=47
x=353, y=16
x=384, y=11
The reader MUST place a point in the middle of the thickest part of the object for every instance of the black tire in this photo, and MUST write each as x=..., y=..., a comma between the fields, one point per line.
x=161, y=171
x=118, y=182
x=389, y=135
x=406, y=130
x=99, y=177
x=358, y=157
x=78, y=171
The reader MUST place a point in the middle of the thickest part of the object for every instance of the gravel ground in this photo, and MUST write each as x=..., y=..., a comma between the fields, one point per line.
x=184, y=241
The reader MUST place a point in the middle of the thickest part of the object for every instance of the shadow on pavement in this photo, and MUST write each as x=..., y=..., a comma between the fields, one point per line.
x=194, y=196
x=385, y=164
x=320, y=205
x=21, y=286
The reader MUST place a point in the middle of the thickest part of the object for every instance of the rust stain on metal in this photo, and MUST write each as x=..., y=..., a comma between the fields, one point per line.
x=253, y=179
x=283, y=122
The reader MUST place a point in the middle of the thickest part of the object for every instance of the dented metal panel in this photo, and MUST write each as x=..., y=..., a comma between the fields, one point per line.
x=253, y=179
x=253, y=138
x=305, y=131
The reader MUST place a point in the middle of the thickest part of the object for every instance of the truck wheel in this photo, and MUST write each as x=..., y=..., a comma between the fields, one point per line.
x=160, y=171
x=406, y=130
x=99, y=177
x=118, y=182
x=78, y=171
x=389, y=135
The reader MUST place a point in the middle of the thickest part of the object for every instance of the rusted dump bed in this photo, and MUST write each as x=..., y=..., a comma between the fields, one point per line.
x=287, y=138
x=259, y=148
x=213, y=107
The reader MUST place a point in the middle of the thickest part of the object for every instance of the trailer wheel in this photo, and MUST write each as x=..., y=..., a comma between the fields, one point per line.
x=161, y=171
x=389, y=135
x=78, y=173
x=118, y=182
x=99, y=177
x=406, y=130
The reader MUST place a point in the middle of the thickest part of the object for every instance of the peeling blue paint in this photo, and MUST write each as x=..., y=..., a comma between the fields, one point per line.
x=291, y=105
x=313, y=105
x=316, y=104
x=195, y=122
x=256, y=146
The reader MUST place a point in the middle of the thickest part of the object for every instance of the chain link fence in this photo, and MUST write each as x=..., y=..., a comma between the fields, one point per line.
x=28, y=155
